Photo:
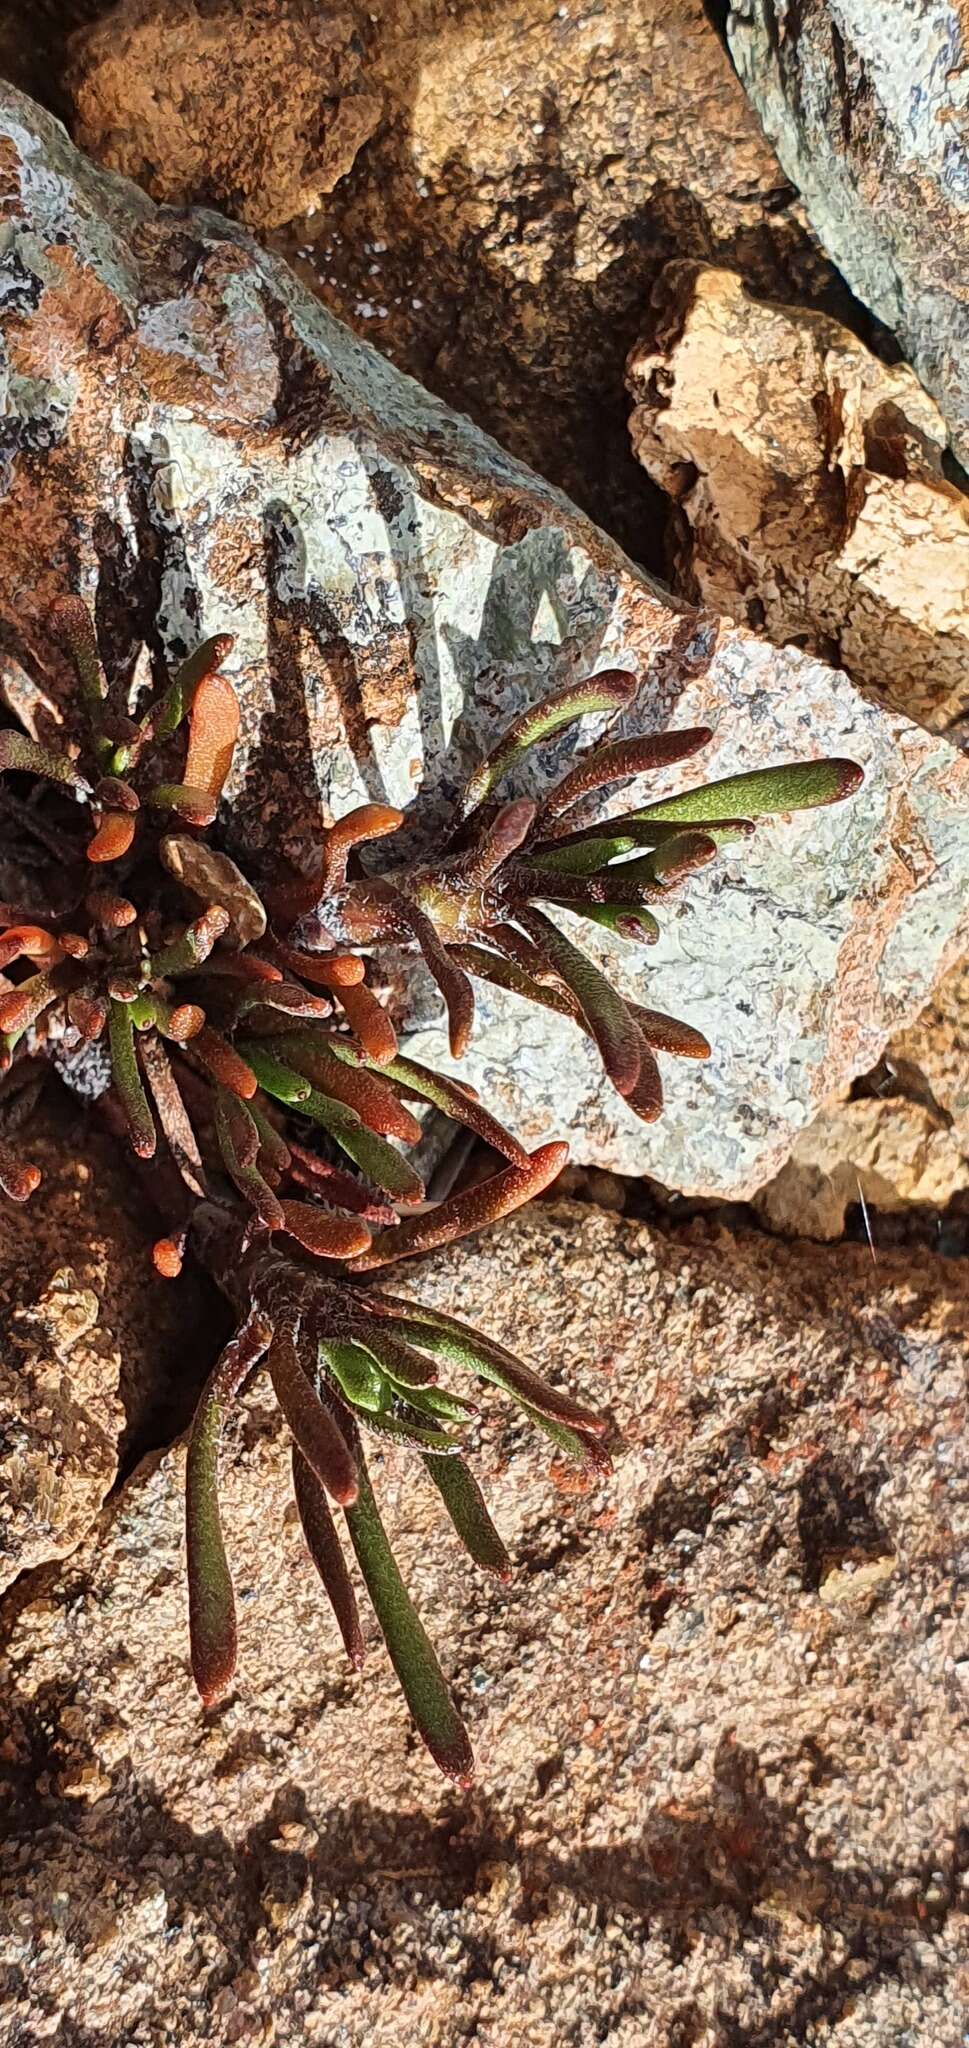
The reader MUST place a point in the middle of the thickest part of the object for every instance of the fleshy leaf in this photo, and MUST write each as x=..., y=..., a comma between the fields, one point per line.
x=422, y=1680
x=468, y=1211
x=604, y=1011
x=465, y=1503
x=323, y=1544
x=238, y=1137
x=759, y=793
x=212, y=734
x=164, y=717
x=22, y=756
x=461, y=1345
x=369, y=1022
x=618, y=761
x=127, y=1080
x=327, y=1237
x=609, y=691
x=212, y=1621
x=317, y=1432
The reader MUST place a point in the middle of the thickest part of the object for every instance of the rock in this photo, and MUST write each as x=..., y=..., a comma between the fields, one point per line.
x=865, y=105
x=905, y=1143
x=91, y=1339
x=885, y=1154
x=721, y=1712
x=193, y=435
x=807, y=475
x=536, y=166
x=259, y=107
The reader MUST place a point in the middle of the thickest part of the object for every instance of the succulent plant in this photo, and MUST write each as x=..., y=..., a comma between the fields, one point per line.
x=234, y=1035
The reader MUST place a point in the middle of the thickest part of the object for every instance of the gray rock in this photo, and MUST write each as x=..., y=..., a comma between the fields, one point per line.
x=721, y=1712
x=865, y=103
x=192, y=436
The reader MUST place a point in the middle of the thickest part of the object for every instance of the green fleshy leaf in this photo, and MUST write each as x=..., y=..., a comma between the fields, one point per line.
x=212, y=1621
x=323, y=1544
x=274, y=1075
x=446, y=1338
x=357, y=1375
x=465, y=1503
x=583, y=1449
x=606, y=692
x=162, y=719
x=411, y=1652
x=22, y=756
x=583, y=856
x=408, y=1430
x=127, y=1080
x=628, y=921
x=789, y=786
x=377, y=1159
x=604, y=1010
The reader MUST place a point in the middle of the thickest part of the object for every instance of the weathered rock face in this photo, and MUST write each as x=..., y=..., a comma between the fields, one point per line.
x=196, y=439
x=259, y=108
x=907, y=1143
x=498, y=234
x=808, y=479
x=89, y=1339
x=865, y=104
x=721, y=1713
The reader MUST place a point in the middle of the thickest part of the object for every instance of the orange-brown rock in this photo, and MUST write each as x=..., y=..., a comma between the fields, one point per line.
x=497, y=236
x=259, y=107
x=721, y=1713
x=92, y=1343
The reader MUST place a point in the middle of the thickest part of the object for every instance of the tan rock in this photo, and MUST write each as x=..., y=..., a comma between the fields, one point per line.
x=811, y=502
x=257, y=106
x=721, y=1713
x=905, y=1144
x=89, y=1339
x=498, y=235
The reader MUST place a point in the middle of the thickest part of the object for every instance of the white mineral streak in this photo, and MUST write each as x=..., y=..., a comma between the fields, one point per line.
x=236, y=461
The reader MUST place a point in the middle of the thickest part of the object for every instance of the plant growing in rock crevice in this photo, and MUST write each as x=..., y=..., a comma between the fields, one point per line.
x=233, y=1033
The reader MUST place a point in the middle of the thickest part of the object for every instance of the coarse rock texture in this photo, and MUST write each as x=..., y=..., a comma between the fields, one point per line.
x=905, y=1143
x=865, y=102
x=808, y=482
x=90, y=1339
x=197, y=439
x=721, y=1713
x=257, y=108
x=536, y=165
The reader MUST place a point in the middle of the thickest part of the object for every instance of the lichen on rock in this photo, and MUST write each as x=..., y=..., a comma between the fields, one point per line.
x=225, y=456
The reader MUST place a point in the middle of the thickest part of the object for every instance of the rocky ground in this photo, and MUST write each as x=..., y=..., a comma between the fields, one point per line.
x=720, y=1713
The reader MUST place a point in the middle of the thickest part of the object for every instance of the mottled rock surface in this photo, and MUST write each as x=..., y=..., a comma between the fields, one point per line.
x=195, y=439
x=807, y=476
x=865, y=102
x=536, y=164
x=721, y=1713
x=254, y=105
x=89, y=1339
x=906, y=1142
